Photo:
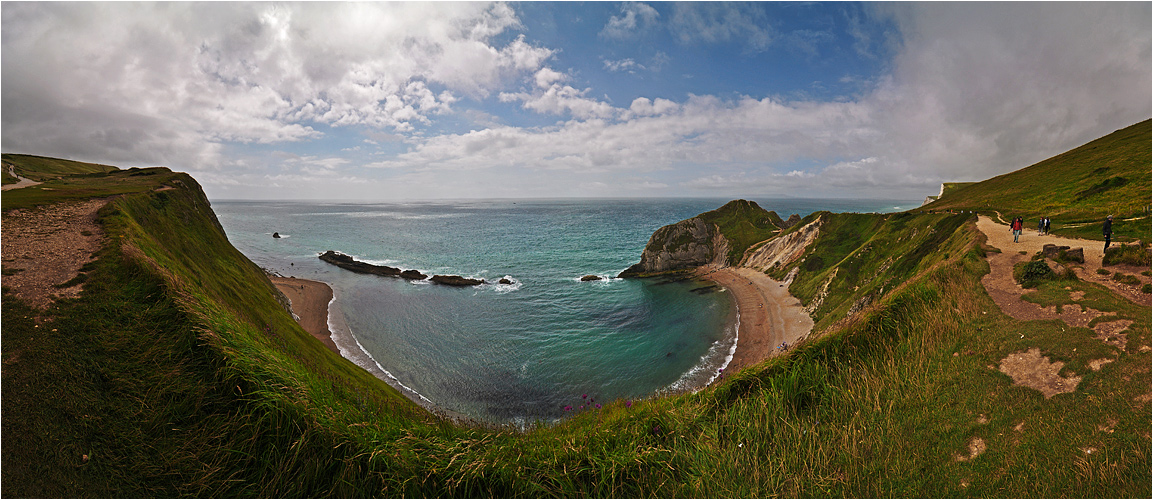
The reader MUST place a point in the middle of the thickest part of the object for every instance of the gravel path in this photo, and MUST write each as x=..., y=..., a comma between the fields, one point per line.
x=46, y=246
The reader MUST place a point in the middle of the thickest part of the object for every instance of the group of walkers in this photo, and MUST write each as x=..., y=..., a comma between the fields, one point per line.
x=1043, y=228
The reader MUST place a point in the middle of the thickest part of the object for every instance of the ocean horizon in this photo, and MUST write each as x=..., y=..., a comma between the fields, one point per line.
x=537, y=349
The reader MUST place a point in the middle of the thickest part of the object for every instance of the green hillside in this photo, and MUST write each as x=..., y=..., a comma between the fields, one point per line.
x=40, y=168
x=1076, y=189
x=178, y=372
x=743, y=223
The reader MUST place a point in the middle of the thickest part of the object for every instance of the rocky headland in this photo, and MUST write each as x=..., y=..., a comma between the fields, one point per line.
x=718, y=238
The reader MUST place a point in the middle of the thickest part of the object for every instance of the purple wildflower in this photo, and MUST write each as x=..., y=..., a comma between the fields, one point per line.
x=598, y=406
x=584, y=396
x=628, y=403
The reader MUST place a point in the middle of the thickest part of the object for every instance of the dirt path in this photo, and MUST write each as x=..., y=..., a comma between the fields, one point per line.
x=1001, y=286
x=23, y=181
x=769, y=315
x=1030, y=368
x=46, y=247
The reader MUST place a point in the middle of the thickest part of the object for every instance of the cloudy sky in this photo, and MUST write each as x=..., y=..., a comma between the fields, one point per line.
x=601, y=99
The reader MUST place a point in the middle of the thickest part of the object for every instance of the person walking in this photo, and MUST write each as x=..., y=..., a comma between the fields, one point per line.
x=1016, y=227
x=1107, y=230
x=1040, y=226
x=1046, y=225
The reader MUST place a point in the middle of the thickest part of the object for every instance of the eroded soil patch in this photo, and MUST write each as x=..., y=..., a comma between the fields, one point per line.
x=1031, y=369
x=46, y=247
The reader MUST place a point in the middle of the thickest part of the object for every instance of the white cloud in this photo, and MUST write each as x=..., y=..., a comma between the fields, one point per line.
x=627, y=65
x=974, y=90
x=717, y=22
x=545, y=77
x=560, y=99
x=643, y=106
x=180, y=78
x=635, y=17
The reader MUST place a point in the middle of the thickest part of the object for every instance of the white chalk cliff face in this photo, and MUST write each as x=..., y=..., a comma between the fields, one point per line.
x=684, y=245
x=782, y=250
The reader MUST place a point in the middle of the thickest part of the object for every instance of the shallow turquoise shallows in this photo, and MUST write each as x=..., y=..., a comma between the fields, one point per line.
x=538, y=349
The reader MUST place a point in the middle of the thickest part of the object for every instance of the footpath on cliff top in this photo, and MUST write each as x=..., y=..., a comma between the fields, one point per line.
x=1030, y=367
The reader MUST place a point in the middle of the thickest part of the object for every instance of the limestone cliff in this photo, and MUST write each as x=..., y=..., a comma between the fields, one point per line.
x=684, y=245
x=717, y=237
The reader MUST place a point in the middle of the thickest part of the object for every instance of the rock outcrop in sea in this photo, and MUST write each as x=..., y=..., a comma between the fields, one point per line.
x=453, y=280
x=347, y=262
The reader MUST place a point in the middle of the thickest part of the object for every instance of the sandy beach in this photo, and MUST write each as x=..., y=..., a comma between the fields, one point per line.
x=769, y=315
x=310, y=303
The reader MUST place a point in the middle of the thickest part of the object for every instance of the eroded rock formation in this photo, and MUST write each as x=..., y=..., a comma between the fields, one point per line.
x=684, y=245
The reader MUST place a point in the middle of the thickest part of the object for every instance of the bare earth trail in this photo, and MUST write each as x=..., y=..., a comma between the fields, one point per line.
x=23, y=182
x=1030, y=368
x=1001, y=286
x=45, y=247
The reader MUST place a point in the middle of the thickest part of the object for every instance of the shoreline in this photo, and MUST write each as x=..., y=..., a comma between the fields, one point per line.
x=768, y=314
x=309, y=301
x=312, y=306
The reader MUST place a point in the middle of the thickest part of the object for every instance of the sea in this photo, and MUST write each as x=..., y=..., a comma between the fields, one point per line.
x=545, y=346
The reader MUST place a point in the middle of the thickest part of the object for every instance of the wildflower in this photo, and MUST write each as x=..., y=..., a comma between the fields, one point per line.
x=628, y=403
x=584, y=396
x=598, y=406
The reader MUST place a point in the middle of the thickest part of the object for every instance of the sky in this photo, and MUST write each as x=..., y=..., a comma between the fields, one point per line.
x=438, y=100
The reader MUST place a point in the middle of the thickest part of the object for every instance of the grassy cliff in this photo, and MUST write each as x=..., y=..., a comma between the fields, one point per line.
x=40, y=168
x=178, y=373
x=1076, y=189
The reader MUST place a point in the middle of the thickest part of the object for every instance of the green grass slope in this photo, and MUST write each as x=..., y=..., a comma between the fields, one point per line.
x=177, y=373
x=40, y=168
x=1076, y=189
x=743, y=223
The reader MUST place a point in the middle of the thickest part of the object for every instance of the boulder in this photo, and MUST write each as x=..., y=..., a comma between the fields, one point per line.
x=275, y=235
x=505, y=281
x=590, y=277
x=452, y=280
x=413, y=274
x=1063, y=253
x=1073, y=255
x=1050, y=250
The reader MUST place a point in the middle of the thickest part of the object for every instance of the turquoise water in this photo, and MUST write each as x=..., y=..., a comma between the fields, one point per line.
x=508, y=353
